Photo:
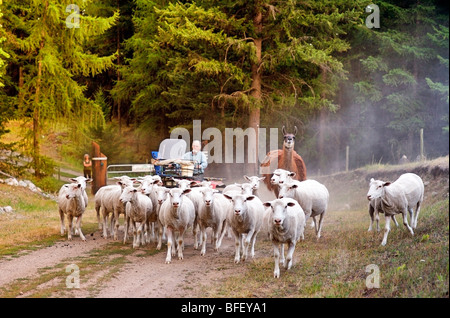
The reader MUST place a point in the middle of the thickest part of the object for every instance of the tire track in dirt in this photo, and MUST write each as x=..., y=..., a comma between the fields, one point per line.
x=28, y=265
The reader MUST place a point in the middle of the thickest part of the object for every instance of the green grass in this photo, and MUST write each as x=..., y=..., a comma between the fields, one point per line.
x=335, y=266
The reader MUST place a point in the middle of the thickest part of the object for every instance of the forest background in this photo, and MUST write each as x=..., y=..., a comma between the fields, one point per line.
x=126, y=73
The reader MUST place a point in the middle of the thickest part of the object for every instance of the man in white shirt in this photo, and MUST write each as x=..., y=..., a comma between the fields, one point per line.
x=199, y=158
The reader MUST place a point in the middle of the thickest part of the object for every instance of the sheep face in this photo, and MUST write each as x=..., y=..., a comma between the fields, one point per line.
x=247, y=188
x=208, y=195
x=376, y=188
x=281, y=176
x=161, y=194
x=73, y=190
x=82, y=180
x=176, y=196
x=239, y=202
x=128, y=194
x=279, y=210
x=254, y=181
x=148, y=186
x=287, y=190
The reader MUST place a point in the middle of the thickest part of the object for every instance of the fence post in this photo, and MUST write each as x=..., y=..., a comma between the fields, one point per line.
x=99, y=165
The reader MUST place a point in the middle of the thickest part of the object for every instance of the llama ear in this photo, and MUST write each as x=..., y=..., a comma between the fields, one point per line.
x=283, y=131
x=295, y=130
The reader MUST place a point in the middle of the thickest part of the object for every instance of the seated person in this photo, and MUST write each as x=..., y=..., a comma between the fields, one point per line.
x=199, y=158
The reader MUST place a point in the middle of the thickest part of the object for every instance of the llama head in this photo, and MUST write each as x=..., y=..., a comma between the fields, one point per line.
x=289, y=139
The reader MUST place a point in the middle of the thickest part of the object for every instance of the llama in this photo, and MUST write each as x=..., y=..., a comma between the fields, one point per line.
x=286, y=158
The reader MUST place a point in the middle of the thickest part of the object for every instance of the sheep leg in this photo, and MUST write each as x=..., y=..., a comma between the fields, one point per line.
x=237, y=245
x=290, y=254
x=371, y=214
x=78, y=228
x=253, y=241
x=195, y=231
x=319, y=228
x=204, y=237
x=69, y=232
x=282, y=260
x=276, y=256
x=405, y=223
x=63, y=226
x=97, y=212
x=395, y=221
x=105, y=222
x=417, y=215
x=160, y=234
x=248, y=240
x=126, y=226
x=116, y=223
x=387, y=228
x=169, y=234
x=181, y=242
x=222, y=234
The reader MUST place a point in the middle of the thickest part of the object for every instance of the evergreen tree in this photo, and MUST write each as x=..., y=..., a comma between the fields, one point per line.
x=225, y=61
x=49, y=39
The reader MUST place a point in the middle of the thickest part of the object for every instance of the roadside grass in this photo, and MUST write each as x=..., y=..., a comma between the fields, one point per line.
x=340, y=263
x=35, y=221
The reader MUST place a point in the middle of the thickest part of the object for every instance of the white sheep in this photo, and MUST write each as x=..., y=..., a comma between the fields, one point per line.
x=402, y=196
x=161, y=196
x=312, y=196
x=213, y=214
x=281, y=176
x=197, y=199
x=245, y=217
x=138, y=208
x=71, y=202
x=255, y=181
x=286, y=224
x=176, y=214
x=243, y=188
x=374, y=211
x=83, y=181
x=107, y=200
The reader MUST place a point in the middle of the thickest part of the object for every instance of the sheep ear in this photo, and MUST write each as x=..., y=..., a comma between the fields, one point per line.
x=227, y=196
x=187, y=191
x=267, y=204
x=247, y=178
x=262, y=178
x=73, y=180
x=292, y=174
x=194, y=184
x=386, y=184
x=372, y=179
x=291, y=204
x=250, y=197
x=89, y=180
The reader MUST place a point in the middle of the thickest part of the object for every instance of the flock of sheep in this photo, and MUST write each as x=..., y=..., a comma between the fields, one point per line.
x=152, y=211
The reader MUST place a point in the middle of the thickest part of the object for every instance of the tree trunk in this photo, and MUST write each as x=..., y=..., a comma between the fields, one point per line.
x=255, y=111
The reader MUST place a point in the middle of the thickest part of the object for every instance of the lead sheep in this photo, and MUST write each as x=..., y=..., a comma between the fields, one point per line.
x=138, y=209
x=213, y=214
x=312, y=196
x=71, y=203
x=176, y=214
x=286, y=224
x=245, y=217
x=402, y=196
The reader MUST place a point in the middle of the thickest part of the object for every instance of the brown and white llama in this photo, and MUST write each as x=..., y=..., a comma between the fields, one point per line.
x=286, y=158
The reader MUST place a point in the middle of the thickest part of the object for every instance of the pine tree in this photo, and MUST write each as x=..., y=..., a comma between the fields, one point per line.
x=225, y=61
x=49, y=39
